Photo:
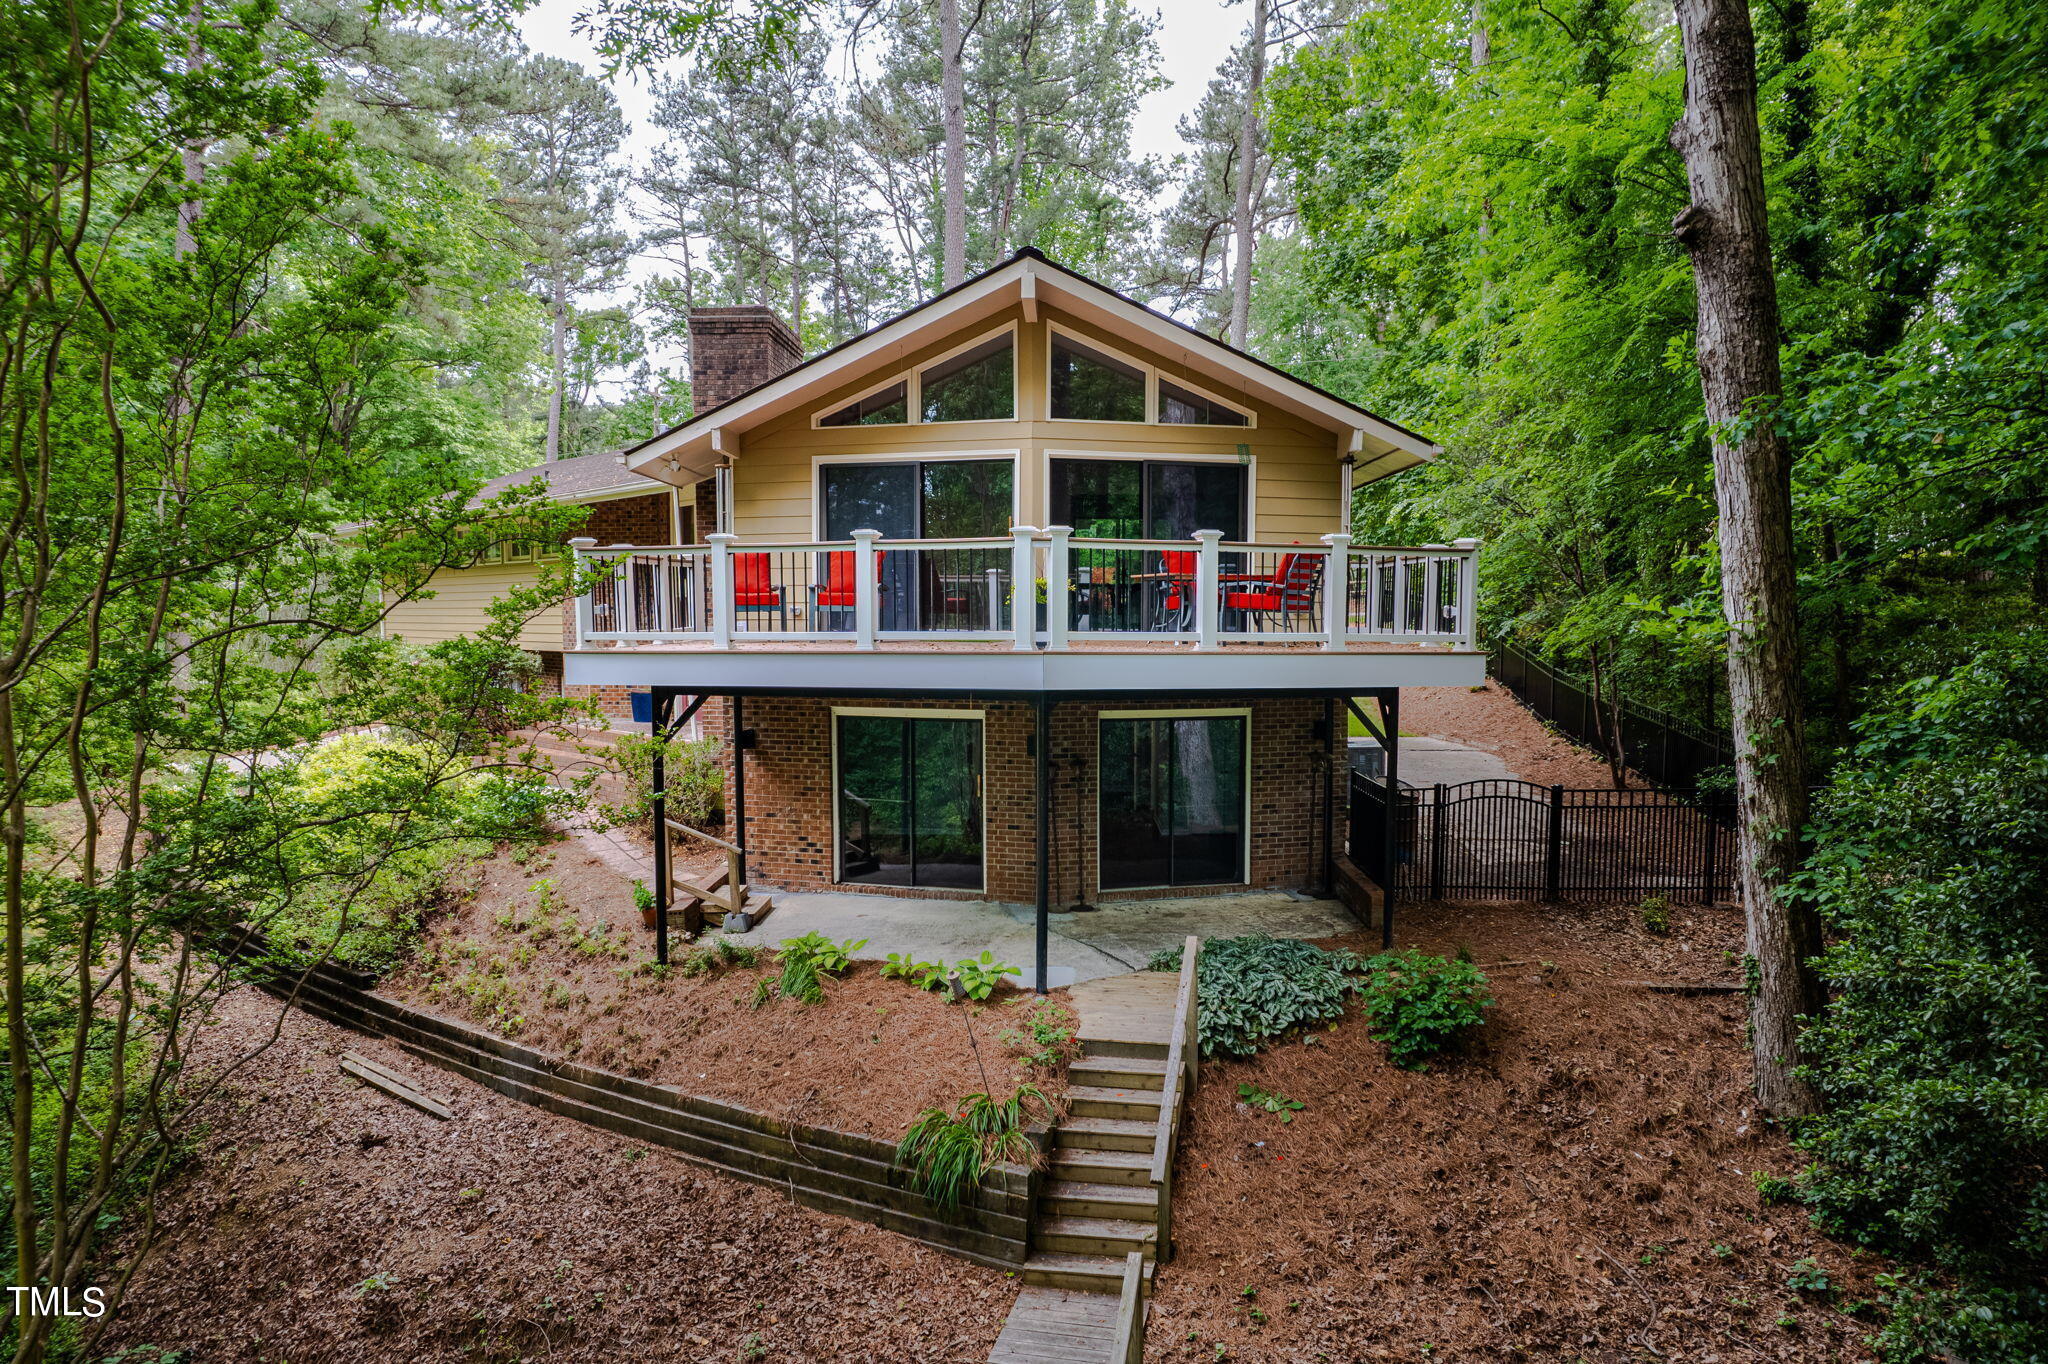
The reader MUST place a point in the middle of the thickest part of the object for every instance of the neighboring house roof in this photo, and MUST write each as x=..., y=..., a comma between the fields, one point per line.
x=583, y=478
x=691, y=448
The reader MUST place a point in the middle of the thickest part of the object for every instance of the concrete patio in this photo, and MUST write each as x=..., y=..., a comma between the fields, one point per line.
x=1113, y=940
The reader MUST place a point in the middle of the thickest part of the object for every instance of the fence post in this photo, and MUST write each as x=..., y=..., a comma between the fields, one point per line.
x=1023, y=591
x=579, y=549
x=1553, y=849
x=1336, y=591
x=1436, y=844
x=1713, y=850
x=1468, y=592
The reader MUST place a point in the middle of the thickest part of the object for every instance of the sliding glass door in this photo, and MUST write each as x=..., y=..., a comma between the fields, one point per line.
x=1116, y=499
x=953, y=499
x=1172, y=802
x=909, y=800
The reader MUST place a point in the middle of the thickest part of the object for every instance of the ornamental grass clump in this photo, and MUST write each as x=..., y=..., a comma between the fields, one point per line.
x=947, y=1153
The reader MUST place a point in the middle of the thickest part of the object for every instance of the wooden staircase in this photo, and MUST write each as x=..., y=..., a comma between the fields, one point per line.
x=1103, y=1216
x=721, y=899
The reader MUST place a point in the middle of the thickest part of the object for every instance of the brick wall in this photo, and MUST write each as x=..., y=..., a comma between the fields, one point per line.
x=736, y=349
x=789, y=800
x=622, y=521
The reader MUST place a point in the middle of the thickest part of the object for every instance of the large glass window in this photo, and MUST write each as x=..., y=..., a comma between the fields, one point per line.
x=977, y=385
x=1149, y=499
x=910, y=801
x=1183, y=406
x=1090, y=386
x=884, y=407
x=1172, y=801
x=938, y=589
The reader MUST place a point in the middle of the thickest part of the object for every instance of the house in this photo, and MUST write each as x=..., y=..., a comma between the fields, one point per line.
x=1030, y=594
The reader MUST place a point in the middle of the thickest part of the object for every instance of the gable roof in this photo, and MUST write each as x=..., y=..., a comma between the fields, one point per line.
x=689, y=450
x=582, y=477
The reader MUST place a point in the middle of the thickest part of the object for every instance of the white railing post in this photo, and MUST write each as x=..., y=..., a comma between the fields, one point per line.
x=1057, y=572
x=1208, y=571
x=579, y=565
x=1400, y=623
x=1336, y=590
x=1433, y=592
x=1468, y=592
x=867, y=587
x=625, y=590
x=721, y=588
x=1023, y=591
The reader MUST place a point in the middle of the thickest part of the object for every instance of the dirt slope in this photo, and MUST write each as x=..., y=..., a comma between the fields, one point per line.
x=320, y=1221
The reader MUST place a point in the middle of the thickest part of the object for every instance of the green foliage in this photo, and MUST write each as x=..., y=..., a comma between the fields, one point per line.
x=980, y=975
x=694, y=770
x=1931, y=869
x=1655, y=912
x=1255, y=988
x=1771, y=1189
x=947, y=1153
x=806, y=964
x=643, y=896
x=925, y=975
x=1278, y=1104
x=1045, y=1039
x=1807, y=1276
x=1421, y=1005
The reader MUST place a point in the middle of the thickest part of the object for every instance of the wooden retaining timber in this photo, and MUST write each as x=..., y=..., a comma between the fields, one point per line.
x=847, y=1173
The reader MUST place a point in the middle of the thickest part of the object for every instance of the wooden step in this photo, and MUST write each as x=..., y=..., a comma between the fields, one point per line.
x=1071, y=1326
x=1119, y=1072
x=1092, y=1101
x=1088, y=1273
x=1115, y=1237
x=1127, y=1168
x=1107, y=1134
x=1107, y=1047
x=1074, y=1198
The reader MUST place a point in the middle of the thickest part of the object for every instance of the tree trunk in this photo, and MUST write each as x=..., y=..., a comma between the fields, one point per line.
x=1725, y=231
x=954, y=98
x=1247, y=171
x=558, y=359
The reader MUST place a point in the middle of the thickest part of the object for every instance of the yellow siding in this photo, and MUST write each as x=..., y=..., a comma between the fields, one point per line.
x=1294, y=469
x=461, y=605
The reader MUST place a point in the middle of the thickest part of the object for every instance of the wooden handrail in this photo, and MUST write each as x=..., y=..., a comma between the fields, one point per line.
x=697, y=833
x=1179, y=1055
x=1129, y=1344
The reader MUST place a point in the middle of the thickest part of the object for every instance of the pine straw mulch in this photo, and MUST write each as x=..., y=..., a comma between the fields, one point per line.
x=323, y=1223
x=575, y=982
x=1576, y=1186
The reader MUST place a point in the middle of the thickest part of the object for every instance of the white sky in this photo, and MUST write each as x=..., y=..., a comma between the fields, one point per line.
x=1194, y=37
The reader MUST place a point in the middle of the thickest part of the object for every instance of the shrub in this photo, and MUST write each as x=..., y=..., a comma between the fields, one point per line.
x=947, y=1153
x=1656, y=914
x=807, y=962
x=980, y=975
x=1930, y=868
x=1255, y=988
x=1421, y=1005
x=694, y=770
x=925, y=975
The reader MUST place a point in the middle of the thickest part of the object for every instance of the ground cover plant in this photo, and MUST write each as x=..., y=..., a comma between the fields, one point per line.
x=1255, y=989
x=805, y=964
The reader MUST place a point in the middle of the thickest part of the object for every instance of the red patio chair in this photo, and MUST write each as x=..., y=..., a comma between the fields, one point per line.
x=753, y=586
x=1179, y=566
x=1290, y=591
x=836, y=593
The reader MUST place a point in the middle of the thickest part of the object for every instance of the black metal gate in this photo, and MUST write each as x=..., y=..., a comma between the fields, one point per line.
x=1515, y=840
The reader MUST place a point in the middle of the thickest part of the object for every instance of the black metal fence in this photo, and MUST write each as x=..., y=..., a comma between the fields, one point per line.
x=1515, y=840
x=1657, y=745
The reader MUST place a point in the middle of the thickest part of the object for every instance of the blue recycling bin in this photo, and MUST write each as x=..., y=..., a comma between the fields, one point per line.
x=643, y=707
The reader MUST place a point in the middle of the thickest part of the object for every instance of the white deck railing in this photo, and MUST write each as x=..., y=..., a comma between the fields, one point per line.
x=858, y=592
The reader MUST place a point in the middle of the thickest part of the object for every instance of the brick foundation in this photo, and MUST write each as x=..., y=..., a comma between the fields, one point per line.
x=789, y=809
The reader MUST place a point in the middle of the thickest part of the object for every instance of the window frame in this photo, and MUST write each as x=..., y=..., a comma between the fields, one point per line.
x=1014, y=454
x=911, y=378
x=1153, y=374
x=979, y=717
x=1171, y=713
x=1250, y=463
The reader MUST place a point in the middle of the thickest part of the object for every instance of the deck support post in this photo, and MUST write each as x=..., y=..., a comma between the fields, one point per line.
x=664, y=881
x=1335, y=781
x=739, y=785
x=1042, y=743
x=1390, y=716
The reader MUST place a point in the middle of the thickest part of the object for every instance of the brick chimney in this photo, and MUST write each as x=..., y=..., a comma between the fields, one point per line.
x=736, y=349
